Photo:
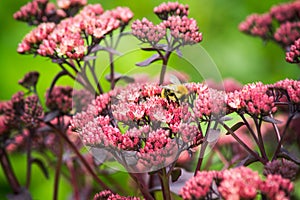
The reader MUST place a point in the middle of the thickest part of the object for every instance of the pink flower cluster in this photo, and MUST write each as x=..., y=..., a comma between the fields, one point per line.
x=199, y=186
x=257, y=25
x=277, y=188
x=184, y=30
x=146, y=31
x=75, y=36
x=287, y=33
x=252, y=98
x=164, y=10
x=237, y=183
x=154, y=129
x=67, y=4
x=209, y=101
x=280, y=24
x=289, y=88
x=32, y=40
x=60, y=98
x=286, y=12
x=109, y=195
x=293, y=54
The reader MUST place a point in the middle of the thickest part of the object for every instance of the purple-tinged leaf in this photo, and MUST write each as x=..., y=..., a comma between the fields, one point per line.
x=179, y=53
x=247, y=161
x=148, y=61
x=271, y=120
x=118, y=77
x=58, y=60
x=51, y=115
x=88, y=58
x=41, y=165
x=102, y=48
x=236, y=127
x=23, y=195
x=287, y=155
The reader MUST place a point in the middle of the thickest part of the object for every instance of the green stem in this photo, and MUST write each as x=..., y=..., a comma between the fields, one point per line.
x=164, y=179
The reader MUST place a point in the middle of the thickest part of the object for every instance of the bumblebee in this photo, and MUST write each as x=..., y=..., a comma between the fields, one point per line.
x=175, y=92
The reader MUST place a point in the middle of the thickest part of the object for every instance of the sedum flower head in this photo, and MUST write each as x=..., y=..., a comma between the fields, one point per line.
x=253, y=98
x=141, y=123
x=239, y=183
x=199, y=186
x=277, y=188
x=257, y=25
x=289, y=88
x=287, y=169
x=146, y=31
x=109, y=195
x=293, y=53
x=164, y=10
x=60, y=98
x=184, y=29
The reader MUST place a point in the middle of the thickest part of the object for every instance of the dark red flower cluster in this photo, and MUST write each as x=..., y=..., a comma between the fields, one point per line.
x=287, y=169
x=30, y=80
x=253, y=99
x=174, y=18
x=237, y=183
x=109, y=195
x=60, y=98
x=17, y=116
x=165, y=10
x=74, y=37
x=280, y=24
x=21, y=111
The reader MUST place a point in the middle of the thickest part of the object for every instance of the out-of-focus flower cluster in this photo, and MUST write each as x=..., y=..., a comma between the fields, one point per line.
x=17, y=114
x=74, y=37
x=287, y=169
x=39, y=11
x=109, y=195
x=293, y=54
x=237, y=183
x=281, y=25
x=174, y=18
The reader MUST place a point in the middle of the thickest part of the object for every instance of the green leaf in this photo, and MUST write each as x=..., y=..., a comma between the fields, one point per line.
x=175, y=174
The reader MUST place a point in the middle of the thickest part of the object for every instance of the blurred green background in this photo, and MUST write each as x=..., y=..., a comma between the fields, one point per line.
x=236, y=55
